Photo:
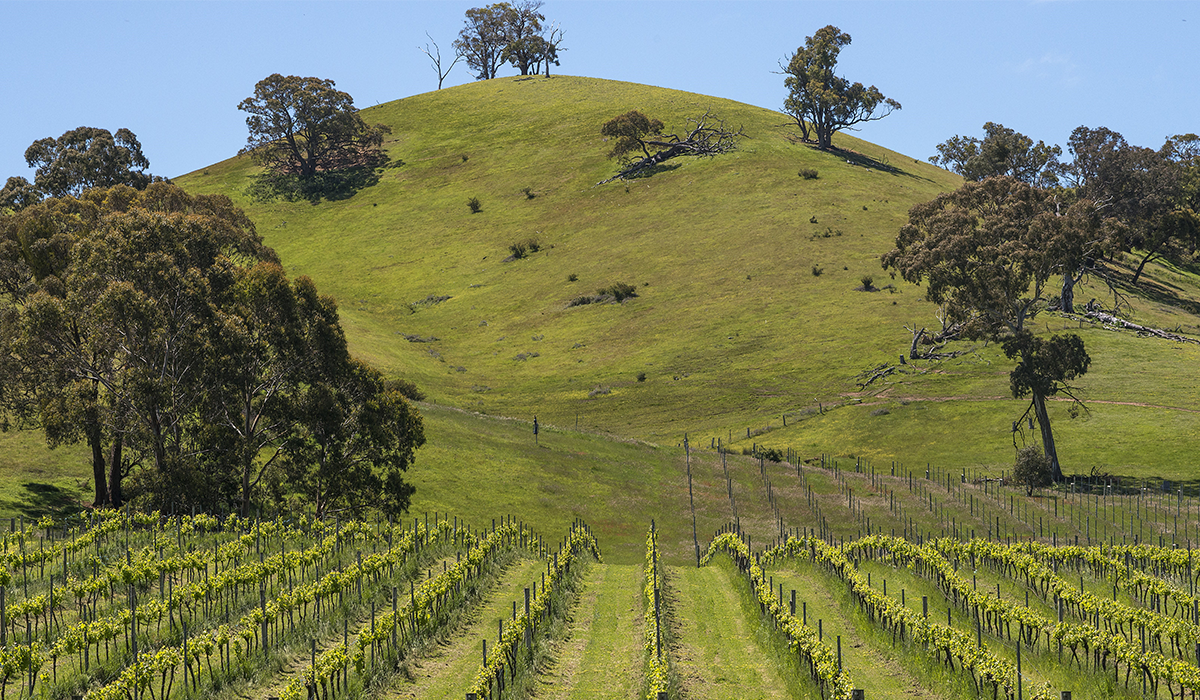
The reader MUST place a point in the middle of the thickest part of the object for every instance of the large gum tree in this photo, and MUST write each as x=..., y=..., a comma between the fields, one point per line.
x=987, y=253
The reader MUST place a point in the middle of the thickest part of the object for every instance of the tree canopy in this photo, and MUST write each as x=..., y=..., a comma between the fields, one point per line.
x=1149, y=197
x=987, y=253
x=78, y=160
x=706, y=135
x=302, y=126
x=482, y=39
x=821, y=101
x=156, y=327
x=524, y=44
x=1002, y=151
x=629, y=131
x=508, y=33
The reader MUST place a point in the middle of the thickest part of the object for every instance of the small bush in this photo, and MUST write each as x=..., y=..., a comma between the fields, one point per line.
x=1032, y=469
x=813, y=220
x=524, y=248
x=868, y=282
x=641, y=377
x=464, y=157
x=581, y=301
x=808, y=174
x=529, y=193
x=599, y=391
x=770, y=454
x=619, y=291
x=880, y=412
x=817, y=270
x=572, y=277
x=473, y=203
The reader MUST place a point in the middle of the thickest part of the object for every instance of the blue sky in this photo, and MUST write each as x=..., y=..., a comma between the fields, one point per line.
x=174, y=72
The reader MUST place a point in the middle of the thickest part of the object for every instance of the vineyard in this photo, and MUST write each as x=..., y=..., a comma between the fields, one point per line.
x=823, y=580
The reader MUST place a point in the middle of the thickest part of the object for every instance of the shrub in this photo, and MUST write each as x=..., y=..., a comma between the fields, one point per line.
x=880, y=412
x=641, y=377
x=619, y=291
x=817, y=270
x=808, y=174
x=770, y=454
x=529, y=193
x=614, y=292
x=572, y=277
x=868, y=282
x=464, y=157
x=599, y=391
x=473, y=203
x=1032, y=469
x=521, y=249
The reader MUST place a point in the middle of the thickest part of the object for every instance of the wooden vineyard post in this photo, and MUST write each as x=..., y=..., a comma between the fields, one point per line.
x=1019, y=695
x=692, y=503
x=858, y=694
x=312, y=689
x=262, y=599
x=528, y=629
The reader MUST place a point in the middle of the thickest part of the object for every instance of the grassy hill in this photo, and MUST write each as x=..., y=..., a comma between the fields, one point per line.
x=731, y=327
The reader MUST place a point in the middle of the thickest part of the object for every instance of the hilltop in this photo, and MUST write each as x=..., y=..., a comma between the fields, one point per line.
x=732, y=326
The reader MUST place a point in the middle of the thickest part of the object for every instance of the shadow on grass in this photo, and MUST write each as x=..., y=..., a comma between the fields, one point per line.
x=330, y=186
x=37, y=499
x=856, y=158
x=652, y=171
x=1153, y=290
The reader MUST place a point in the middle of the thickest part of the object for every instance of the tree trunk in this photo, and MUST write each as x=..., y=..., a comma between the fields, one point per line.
x=1067, y=298
x=1142, y=265
x=1039, y=409
x=115, y=498
x=98, y=465
x=247, y=465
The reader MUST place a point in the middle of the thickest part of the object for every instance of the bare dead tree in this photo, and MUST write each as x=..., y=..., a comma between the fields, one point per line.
x=552, y=44
x=707, y=136
x=435, y=57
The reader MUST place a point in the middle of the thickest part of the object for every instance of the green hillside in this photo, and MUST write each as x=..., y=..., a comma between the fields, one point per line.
x=731, y=327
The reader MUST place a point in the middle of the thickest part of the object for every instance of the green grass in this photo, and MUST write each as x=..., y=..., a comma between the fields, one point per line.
x=873, y=666
x=723, y=649
x=449, y=667
x=600, y=655
x=731, y=328
x=37, y=481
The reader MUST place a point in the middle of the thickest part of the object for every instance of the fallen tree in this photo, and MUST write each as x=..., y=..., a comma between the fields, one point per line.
x=707, y=135
x=1093, y=312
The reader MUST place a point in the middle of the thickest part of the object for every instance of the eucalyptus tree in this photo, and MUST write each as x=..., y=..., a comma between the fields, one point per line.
x=87, y=157
x=1002, y=151
x=823, y=102
x=987, y=254
x=302, y=126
